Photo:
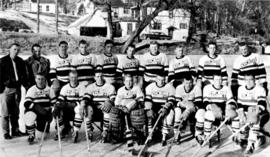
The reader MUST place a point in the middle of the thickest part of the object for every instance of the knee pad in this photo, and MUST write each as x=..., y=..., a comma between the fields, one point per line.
x=215, y=110
x=78, y=111
x=30, y=118
x=148, y=105
x=169, y=118
x=178, y=113
x=209, y=116
x=190, y=107
x=200, y=114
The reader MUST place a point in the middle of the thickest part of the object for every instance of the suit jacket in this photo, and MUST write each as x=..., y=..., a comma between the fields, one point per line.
x=34, y=66
x=7, y=74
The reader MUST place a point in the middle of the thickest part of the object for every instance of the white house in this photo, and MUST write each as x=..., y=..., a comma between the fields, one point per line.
x=171, y=22
x=45, y=6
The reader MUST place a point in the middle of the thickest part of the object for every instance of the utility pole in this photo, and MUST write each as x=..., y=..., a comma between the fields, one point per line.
x=38, y=12
x=56, y=15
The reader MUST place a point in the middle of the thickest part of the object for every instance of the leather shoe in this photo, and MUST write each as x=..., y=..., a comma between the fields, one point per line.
x=19, y=133
x=7, y=136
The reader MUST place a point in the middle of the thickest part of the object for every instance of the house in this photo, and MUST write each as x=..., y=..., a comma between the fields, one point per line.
x=45, y=6
x=174, y=23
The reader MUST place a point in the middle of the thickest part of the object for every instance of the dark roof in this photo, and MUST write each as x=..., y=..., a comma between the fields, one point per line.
x=44, y=1
x=120, y=3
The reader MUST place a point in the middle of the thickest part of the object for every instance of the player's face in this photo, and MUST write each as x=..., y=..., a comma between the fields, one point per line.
x=40, y=81
x=14, y=51
x=63, y=49
x=37, y=52
x=82, y=48
x=212, y=49
x=108, y=48
x=99, y=78
x=188, y=84
x=160, y=80
x=244, y=50
x=153, y=49
x=73, y=79
x=179, y=52
x=250, y=81
x=130, y=52
x=128, y=82
x=217, y=81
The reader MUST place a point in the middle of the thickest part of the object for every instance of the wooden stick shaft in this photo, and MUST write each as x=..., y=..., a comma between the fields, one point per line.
x=59, y=136
x=148, y=138
x=42, y=139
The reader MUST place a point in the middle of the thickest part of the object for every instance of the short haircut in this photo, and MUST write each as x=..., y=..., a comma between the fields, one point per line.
x=127, y=75
x=108, y=42
x=98, y=71
x=82, y=42
x=131, y=45
x=217, y=73
x=188, y=77
x=154, y=43
x=40, y=74
x=212, y=43
x=62, y=42
x=73, y=72
x=181, y=45
x=15, y=44
x=35, y=45
x=248, y=74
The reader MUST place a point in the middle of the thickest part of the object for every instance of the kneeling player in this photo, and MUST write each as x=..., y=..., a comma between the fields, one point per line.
x=188, y=97
x=98, y=100
x=160, y=98
x=37, y=107
x=67, y=101
x=216, y=98
x=252, y=110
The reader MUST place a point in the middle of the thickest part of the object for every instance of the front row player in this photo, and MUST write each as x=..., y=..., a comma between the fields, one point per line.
x=98, y=100
x=217, y=102
x=160, y=98
x=252, y=109
x=37, y=107
x=66, y=105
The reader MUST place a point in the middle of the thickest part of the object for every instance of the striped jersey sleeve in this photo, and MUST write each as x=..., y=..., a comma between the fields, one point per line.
x=38, y=96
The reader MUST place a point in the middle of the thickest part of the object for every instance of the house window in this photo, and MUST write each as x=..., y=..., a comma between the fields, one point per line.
x=129, y=28
x=156, y=26
x=170, y=14
x=47, y=8
x=126, y=10
x=40, y=8
x=183, y=26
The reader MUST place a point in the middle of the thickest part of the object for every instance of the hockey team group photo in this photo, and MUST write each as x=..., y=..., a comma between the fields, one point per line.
x=134, y=78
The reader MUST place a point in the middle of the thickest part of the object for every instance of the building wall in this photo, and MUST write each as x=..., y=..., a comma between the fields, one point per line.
x=45, y=8
x=179, y=20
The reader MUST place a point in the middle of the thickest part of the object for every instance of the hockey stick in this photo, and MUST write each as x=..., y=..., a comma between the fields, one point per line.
x=59, y=136
x=87, y=137
x=129, y=136
x=42, y=139
x=150, y=135
x=99, y=128
x=209, y=137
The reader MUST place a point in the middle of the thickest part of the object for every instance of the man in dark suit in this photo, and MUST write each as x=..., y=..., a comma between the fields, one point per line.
x=37, y=64
x=13, y=74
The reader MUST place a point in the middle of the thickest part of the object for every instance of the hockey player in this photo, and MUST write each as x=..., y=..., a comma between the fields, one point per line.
x=69, y=98
x=129, y=98
x=247, y=63
x=98, y=99
x=153, y=63
x=130, y=65
x=107, y=62
x=210, y=64
x=37, y=107
x=85, y=64
x=160, y=98
x=253, y=110
x=188, y=98
x=180, y=66
x=217, y=102
x=60, y=67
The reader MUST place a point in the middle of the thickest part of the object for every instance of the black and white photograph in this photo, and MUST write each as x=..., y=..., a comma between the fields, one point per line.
x=134, y=78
